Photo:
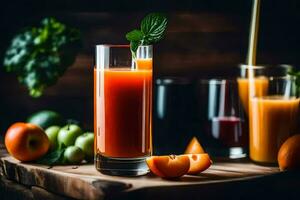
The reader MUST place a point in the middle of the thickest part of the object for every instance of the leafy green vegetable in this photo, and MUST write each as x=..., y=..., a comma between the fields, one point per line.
x=40, y=55
x=153, y=28
x=52, y=158
x=296, y=73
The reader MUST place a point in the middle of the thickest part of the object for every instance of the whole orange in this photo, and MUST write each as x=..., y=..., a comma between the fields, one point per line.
x=26, y=142
x=289, y=154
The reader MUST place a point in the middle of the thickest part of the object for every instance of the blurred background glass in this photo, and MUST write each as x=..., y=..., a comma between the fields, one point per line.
x=223, y=128
x=273, y=116
x=174, y=113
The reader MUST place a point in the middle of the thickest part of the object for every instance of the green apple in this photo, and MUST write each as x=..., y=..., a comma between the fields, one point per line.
x=86, y=143
x=52, y=133
x=73, y=155
x=68, y=134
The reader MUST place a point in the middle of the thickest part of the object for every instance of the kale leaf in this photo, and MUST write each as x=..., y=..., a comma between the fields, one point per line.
x=40, y=55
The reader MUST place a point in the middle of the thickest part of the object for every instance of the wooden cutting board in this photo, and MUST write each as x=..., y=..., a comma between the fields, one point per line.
x=85, y=182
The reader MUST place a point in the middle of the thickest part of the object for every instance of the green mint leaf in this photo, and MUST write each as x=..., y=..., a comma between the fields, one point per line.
x=54, y=157
x=135, y=35
x=153, y=26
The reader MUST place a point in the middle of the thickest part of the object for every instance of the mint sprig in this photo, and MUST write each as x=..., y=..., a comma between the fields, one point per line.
x=153, y=28
x=135, y=35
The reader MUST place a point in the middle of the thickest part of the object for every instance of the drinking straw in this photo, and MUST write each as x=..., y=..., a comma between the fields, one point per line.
x=253, y=33
x=251, y=58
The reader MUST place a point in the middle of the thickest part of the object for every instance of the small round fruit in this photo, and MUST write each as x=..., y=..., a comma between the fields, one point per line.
x=289, y=154
x=169, y=166
x=45, y=118
x=86, y=143
x=68, y=134
x=73, y=155
x=52, y=133
x=26, y=142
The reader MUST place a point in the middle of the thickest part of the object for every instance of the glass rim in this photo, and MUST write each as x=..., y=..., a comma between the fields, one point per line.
x=113, y=45
x=120, y=45
x=287, y=77
x=172, y=80
x=148, y=45
x=246, y=66
x=217, y=81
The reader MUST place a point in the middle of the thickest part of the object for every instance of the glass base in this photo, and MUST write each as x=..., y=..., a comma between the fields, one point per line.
x=232, y=152
x=264, y=163
x=121, y=166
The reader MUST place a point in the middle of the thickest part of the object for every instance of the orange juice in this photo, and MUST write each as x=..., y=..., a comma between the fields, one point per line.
x=144, y=63
x=123, y=106
x=273, y=119
x=260, y=88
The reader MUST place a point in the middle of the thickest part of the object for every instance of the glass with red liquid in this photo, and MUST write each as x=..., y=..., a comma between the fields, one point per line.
x=122, y=109
x=224, y=127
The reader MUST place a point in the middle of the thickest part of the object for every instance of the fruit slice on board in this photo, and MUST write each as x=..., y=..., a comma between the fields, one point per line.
x=169, y=166
x=199, y=163
x=194, y=147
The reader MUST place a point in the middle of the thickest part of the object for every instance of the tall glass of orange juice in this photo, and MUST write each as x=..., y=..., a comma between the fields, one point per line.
x=260, y=84
x=273, y=118
x=122, y=109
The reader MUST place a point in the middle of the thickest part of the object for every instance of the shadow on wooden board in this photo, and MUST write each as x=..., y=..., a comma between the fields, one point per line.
x=278, y=186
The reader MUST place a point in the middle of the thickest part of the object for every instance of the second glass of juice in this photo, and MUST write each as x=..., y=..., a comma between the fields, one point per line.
x=273, y=117
x=260, y=83
x=122, y=109
x=224, y=123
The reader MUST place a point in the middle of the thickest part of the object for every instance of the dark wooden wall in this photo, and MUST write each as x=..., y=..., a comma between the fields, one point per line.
x=204, y=39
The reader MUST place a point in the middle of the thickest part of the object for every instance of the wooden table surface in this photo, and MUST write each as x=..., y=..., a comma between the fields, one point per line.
x=234, y=180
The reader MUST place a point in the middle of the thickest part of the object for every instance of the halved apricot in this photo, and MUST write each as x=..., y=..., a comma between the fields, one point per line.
x=169, y=166
x=199, y=163
x=194, y=147
x=152, y=166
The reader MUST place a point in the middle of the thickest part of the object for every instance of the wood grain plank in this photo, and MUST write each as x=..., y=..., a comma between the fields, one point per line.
x=85, y=181
x=56, y=181
x=9, y=190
